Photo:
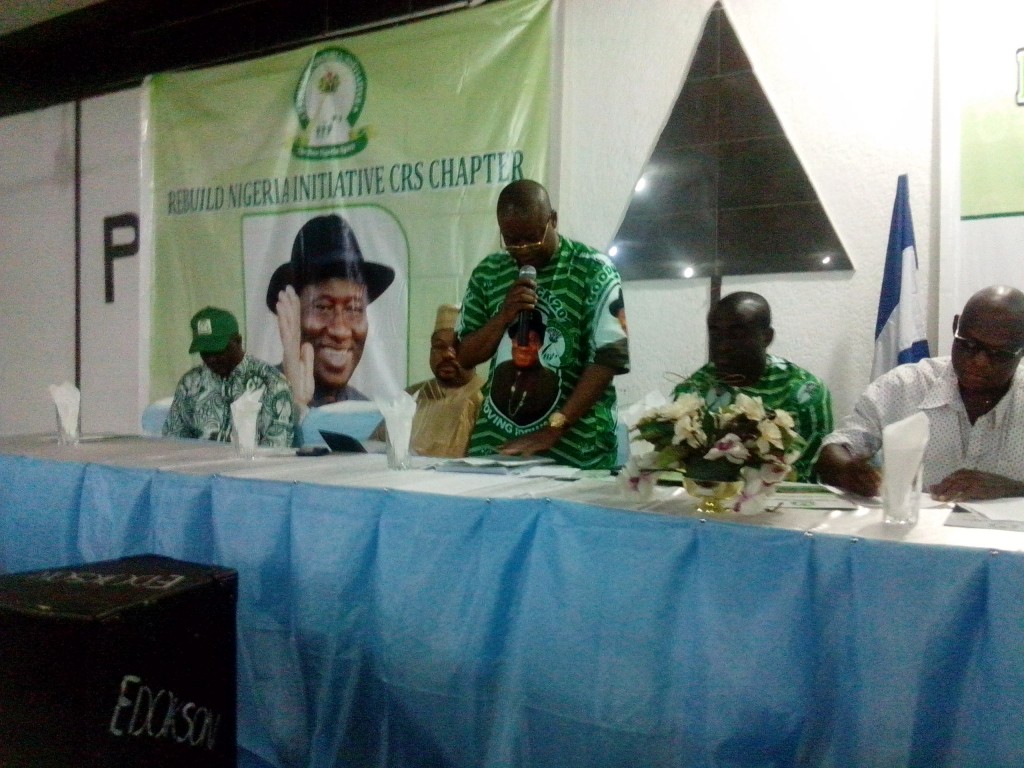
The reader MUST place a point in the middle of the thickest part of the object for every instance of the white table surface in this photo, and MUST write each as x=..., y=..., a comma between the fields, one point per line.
x=370, y=471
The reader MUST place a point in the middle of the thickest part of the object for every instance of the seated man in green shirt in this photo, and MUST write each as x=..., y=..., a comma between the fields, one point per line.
x=739, y=332
x=202, y=400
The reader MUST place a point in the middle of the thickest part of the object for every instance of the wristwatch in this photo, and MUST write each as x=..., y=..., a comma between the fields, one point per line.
x=557, y=420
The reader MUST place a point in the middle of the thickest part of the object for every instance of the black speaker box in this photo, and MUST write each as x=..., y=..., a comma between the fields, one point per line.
x=119, y=663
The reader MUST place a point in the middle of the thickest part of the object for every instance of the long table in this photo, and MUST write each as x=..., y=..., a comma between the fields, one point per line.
x=422, y=618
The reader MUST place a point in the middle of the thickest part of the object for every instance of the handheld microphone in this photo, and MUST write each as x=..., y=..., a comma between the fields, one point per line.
x=523, y=333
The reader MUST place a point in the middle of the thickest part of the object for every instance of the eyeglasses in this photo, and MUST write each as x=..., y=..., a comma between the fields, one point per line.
x=524, y=246
x=972, y=348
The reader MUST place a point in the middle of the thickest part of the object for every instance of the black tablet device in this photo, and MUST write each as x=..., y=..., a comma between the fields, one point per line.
x=339, y=442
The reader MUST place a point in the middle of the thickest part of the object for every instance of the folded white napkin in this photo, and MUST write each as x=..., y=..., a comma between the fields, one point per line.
x=398, y=413
x=67, y=398
x=903, y=445
x=244, y=413
x=631, y=414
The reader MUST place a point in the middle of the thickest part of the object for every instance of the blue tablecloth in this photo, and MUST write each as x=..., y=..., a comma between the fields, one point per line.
x=400, y=629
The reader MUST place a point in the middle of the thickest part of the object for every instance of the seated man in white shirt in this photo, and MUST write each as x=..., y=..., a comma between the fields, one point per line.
x=974, y=401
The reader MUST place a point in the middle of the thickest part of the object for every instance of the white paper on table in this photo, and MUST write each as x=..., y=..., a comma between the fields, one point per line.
x=997, y=509
x=501, y=460
x=791, y=495
x=554, y=472
x=494, y=464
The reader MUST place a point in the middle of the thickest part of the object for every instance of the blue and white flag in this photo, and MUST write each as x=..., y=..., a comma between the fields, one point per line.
x=899, y=331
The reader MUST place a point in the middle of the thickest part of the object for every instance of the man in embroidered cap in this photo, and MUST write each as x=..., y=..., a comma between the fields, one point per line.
x=446, y=405
x=320, y=297
x=202, y=400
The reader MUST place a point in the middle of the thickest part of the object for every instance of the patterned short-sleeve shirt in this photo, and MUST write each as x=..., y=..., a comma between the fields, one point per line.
x=580, y=303
x=202, y=404
x=994, y=443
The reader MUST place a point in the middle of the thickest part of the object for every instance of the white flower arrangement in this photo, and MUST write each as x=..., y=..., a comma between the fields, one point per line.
x=743, y=441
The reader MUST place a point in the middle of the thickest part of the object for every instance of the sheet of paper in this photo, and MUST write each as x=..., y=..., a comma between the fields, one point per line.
x=496, y=463
x=997, y=509
x=500, y=460
x=554, y=471
x=808, y=496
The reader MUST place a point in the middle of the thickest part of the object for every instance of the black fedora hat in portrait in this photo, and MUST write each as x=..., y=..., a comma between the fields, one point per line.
x=326, y=247
x=280, y=280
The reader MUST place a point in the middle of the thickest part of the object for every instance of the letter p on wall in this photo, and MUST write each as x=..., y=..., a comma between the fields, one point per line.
x=117, y=250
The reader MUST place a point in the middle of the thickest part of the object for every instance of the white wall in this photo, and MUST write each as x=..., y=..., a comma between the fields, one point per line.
x=853, y=85
x=111, y=400
x=37, y=267
x=37, y=264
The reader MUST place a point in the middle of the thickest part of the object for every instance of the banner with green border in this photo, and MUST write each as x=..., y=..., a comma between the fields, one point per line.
x=408, y=133
x=991, y=76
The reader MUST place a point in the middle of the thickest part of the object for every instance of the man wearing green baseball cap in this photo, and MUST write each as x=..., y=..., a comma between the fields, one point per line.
x=202, y=400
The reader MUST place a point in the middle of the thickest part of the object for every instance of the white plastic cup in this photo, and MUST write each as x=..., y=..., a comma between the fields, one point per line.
x=902, y=509
x=398, y=454
x=244, y=438
x=67, y=434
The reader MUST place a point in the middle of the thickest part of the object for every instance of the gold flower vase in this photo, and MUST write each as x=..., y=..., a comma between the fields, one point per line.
x=713, y=483
x=713, y=496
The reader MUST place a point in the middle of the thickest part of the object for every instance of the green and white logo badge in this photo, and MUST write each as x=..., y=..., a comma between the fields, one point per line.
x=328, y=100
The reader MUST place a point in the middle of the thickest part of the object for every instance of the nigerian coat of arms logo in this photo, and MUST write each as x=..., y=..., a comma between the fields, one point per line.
x=329, y=98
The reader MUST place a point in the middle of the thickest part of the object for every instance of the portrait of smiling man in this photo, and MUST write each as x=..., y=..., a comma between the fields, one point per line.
x=321, y=297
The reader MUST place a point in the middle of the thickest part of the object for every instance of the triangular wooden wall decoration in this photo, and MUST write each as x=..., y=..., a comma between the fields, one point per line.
x=724, y=193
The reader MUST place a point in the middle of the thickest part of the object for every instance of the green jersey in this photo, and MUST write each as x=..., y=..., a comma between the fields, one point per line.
x=579, y=321
x=784, y=386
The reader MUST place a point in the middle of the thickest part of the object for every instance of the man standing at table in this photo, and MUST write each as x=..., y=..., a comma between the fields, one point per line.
x=739, y=332
x=974, y=401
x=578, y=293
x=202, y=401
